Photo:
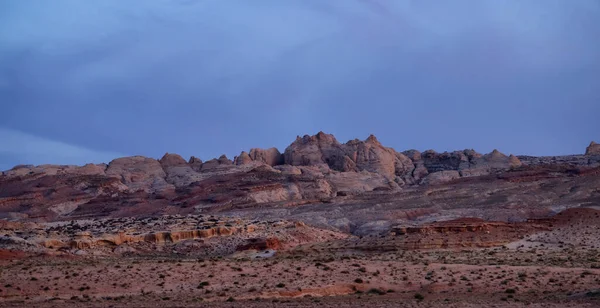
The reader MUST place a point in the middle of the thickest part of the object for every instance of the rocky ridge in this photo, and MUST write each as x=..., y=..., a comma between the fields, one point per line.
x=312, y=169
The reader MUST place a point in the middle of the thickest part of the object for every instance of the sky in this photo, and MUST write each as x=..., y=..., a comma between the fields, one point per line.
x=89, y=81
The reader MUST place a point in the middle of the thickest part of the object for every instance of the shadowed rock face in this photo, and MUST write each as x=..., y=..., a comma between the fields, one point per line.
x=195, y=163
x=313, y=170
x=271, y=157
x=260, y=244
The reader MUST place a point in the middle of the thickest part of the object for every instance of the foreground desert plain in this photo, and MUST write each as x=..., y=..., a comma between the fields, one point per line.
x=324, y=224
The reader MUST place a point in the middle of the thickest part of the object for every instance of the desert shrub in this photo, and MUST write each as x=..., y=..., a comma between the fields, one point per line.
x=376, y=291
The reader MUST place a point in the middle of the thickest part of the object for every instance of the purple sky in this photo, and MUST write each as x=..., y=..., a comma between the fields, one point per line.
x=87, y=81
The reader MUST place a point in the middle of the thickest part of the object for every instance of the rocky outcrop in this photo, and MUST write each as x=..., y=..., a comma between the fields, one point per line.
x=314, y=150
x=271, y=156
x=178, y=172
x=192, y=235
x=139, y=173
x=86, y=240
x=593, y=149
x=216, y=164
x=485, y=164
x=243, y=159
x=371, y=156
x=355, y=155
x=460, y=233
x=452, y=226
x=467, y=163
x=435, y=162
x=176, y=236
x=195, y=163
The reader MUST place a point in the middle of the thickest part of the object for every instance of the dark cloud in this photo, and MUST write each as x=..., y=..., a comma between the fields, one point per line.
x=209, y=77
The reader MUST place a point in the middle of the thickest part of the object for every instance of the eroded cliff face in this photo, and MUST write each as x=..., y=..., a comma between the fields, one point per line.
x=194, y=235
x=462, y=233
x=86, y=240
x=312, y=169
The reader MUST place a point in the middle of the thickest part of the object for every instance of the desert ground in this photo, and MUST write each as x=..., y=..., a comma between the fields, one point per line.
x=552, y=263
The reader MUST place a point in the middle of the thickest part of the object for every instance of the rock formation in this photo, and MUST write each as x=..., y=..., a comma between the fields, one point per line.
x=271, y=157
x=216, y=164
x=314, y=150
x=355, y=155
x=461, y=233
x=195, y=163
x=179, y=172
x=243, y=159
x=138, y=173
x=312, y=169
x=593, y=149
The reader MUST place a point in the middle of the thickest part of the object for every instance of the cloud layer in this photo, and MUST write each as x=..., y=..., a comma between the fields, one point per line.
x=22, y=148
x=208, y=77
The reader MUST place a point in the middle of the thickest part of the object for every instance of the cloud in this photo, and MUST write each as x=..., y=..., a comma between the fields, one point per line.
x=21, y=148
x=206, y=77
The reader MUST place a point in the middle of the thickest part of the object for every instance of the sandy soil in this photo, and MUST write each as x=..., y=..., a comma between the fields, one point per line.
x=558, y=266
x=382, y=279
